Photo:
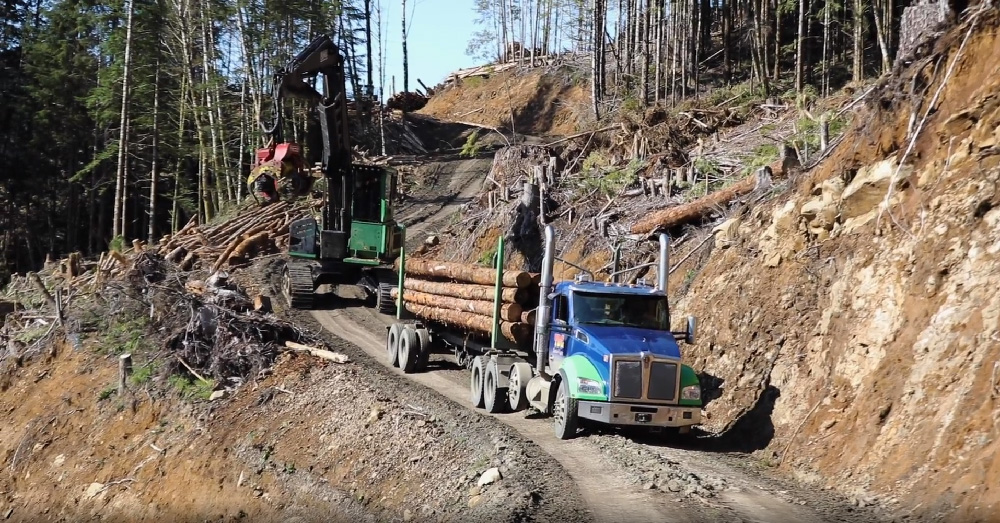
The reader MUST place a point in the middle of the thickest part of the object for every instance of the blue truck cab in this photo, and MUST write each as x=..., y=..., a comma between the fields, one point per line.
x=616, y=358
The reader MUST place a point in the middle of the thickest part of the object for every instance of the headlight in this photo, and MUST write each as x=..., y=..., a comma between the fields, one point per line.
x=691, y=392
x=588, y=386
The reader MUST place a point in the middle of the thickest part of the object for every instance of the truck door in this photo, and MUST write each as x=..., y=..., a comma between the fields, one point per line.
x=559, y=333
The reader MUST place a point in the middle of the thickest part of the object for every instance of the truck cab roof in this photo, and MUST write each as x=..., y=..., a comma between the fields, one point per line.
x=607, y=288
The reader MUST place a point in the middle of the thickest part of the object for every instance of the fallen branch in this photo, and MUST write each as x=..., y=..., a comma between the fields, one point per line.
x=193, y=372
x=335, y=357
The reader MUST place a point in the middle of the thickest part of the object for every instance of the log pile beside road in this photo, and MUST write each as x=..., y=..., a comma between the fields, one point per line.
x=462, y=295
x=235, y=241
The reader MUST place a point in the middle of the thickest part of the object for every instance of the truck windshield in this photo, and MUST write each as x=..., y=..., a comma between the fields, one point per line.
x=645, y=312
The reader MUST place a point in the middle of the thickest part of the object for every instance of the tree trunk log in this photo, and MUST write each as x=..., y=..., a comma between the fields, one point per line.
x=516, y=332
x=465, y=273
x=674, y=216
x=467, y=291
x=508, y=311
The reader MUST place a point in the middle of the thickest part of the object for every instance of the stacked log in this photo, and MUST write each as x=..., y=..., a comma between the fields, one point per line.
x=519, y=333
x=510, y=312
x=462, y=295
x=466, y=273
x=253, y=232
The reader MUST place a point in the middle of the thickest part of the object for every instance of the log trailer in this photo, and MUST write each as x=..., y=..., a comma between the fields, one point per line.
x=599, y=352
x=357, y=236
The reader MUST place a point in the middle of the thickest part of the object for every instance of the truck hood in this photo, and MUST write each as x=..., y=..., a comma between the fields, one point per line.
x=630, y=340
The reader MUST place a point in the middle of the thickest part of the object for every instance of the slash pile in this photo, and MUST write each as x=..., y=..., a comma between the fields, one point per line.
x=462, y=295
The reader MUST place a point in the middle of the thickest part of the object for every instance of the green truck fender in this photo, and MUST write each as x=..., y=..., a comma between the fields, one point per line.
x=688, y=378
x=578, y=366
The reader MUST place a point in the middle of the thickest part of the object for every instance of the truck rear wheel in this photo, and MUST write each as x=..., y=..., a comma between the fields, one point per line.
x=409, y=348
x=517, y=397
x=424, y=355
x=494, y=396
x=476, y=382
x=392, y=344
x=564, y=412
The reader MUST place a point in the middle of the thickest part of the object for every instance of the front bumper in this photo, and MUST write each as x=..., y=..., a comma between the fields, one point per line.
x=637, y=414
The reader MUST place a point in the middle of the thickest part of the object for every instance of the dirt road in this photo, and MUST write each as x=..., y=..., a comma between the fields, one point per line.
x=620, y=479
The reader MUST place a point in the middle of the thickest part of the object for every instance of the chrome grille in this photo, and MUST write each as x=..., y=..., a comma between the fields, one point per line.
x=631, y=381
x=662, y=381
x=628, y=379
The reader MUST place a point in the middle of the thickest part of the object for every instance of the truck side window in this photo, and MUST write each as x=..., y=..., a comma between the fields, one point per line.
x=561, y=308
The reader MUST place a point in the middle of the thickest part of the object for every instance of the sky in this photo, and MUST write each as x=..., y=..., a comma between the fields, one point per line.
x=438, y=35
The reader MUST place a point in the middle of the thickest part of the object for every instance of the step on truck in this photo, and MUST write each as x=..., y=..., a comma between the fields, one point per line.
x=601, y=352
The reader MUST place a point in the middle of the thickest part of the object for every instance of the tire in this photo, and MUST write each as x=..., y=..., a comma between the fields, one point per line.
x=517, y=394
x=424, y=339
x=476, y=382
x=494, y=396
x=383, y=299
x=564, y=411
x=409, y=349
x=392, y=344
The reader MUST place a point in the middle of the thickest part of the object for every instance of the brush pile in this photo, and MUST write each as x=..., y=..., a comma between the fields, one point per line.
x=462, y=295
x=184, y=311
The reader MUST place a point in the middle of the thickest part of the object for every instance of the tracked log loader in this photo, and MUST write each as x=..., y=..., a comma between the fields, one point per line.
x=356, y=238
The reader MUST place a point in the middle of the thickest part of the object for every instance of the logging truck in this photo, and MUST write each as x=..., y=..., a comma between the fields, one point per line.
x=588, y=353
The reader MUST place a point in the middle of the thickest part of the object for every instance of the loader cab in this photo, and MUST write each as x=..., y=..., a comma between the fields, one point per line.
x=375, y=235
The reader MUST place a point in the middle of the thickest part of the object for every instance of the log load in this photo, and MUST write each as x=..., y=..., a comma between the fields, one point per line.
x=467, y=291
x=465, y=273
x=681, y=214
x=519, y=333
x=508, y=311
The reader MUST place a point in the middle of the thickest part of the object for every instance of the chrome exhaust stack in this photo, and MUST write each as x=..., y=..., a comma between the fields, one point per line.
x=664, y=268
x=544, y=312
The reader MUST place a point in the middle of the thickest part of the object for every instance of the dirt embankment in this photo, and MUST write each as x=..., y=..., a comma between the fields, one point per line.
x=540, y=102
x=302, y=439
x=851, y=326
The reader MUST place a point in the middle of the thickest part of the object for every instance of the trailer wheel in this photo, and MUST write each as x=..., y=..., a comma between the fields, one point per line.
x=424, y=355
x=409, y=348
x=476, y=382
x=494, y=396
x=564, y=412
x=517, y=396
x=392, y=344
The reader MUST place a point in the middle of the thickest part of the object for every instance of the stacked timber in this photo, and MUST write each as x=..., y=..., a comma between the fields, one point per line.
x=233, y=242
x=462, y=295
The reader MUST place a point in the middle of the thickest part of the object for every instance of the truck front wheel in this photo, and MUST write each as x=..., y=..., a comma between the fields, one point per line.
x=564, y=411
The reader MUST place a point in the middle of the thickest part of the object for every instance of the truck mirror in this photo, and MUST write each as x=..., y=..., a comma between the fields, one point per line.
x=689, y=336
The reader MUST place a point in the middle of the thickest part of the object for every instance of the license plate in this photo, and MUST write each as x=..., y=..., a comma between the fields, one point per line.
x=643, y=417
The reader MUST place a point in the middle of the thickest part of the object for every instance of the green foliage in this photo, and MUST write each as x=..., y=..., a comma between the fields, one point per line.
x=107, y=392
x=471, y=147
x=191, y=389
x=594, y=160
x=473, y=82
x=143, y=373
x=117, y=243
x=612, y=182
x=707, y=166
x=808, y=130
x=762, y=155
x=488, y=257
x=124, y=335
